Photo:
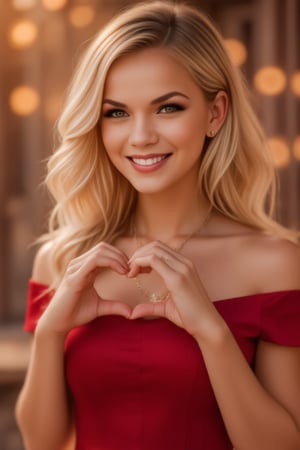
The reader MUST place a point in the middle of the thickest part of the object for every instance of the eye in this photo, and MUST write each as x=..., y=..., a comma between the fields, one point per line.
x=115, y=113
x=170, y=108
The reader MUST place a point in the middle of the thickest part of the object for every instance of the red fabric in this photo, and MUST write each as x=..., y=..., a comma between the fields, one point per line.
x=143, y=385
x=38, y=297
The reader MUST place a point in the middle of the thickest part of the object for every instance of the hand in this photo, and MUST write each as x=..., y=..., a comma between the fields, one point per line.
x=187, y=305
x=76, y=301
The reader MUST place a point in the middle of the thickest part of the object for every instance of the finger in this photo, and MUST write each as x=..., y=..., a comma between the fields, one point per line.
x=159, y=262
x=86, y=273
x=107, y=259
x=104, y=256
x=139, y=270
x=155, y=248
x=101, y=249
x=109, y=307
x=149, y=248
x=136, y=270
x=148, y=309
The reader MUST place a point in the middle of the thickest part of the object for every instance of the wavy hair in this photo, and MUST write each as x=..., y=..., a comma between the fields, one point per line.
x=93, y=201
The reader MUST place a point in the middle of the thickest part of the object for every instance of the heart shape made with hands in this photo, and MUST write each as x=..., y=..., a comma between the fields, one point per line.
x=111, y=286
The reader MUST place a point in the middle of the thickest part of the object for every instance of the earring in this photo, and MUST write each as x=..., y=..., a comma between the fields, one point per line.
x=212, y=133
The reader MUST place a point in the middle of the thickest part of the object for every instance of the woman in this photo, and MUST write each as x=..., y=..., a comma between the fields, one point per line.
x=165, y=300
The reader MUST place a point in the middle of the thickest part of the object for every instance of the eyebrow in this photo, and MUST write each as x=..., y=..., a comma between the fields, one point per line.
x=157, y=100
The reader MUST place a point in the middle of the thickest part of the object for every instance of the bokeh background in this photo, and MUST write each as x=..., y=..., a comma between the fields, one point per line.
x=39, y=45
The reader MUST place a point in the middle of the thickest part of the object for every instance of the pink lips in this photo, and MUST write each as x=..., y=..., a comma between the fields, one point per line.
x=148, y=163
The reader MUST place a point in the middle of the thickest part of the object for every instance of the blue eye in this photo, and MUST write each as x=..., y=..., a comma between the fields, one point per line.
x=115, y=113
x=170, y=108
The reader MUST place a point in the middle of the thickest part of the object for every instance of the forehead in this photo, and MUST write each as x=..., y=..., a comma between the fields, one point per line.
x=151, y=71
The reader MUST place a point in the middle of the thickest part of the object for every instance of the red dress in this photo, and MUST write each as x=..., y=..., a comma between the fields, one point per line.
x=143, y=385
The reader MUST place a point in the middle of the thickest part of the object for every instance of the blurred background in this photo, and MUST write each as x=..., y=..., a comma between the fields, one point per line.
x=40, y=43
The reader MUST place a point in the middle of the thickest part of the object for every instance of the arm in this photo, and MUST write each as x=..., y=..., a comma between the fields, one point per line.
x=43, y=410
x=261, y=411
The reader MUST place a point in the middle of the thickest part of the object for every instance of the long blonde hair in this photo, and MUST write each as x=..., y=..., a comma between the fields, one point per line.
x=93, y=201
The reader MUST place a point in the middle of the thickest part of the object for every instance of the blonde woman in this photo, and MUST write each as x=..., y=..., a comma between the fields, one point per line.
x=165, y=300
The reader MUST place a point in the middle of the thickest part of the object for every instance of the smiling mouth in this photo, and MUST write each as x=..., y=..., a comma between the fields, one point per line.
x=150, y=161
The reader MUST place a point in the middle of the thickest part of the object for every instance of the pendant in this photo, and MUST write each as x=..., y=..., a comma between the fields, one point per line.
x=157, y=298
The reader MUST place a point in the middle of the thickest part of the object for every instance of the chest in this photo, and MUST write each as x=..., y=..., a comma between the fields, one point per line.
x=224, y=270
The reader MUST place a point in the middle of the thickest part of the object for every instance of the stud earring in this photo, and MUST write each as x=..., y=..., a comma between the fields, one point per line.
x=212, y=133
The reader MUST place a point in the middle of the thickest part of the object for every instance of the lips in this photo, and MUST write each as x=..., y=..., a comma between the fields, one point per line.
x=150, y=160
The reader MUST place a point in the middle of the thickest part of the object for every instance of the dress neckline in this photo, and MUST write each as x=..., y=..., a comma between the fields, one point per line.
x=256, y=295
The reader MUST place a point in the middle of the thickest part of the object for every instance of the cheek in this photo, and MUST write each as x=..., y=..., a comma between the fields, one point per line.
x=110, y=138
x=190, y=132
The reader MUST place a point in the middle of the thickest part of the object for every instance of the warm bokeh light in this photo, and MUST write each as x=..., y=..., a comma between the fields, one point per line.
x=296, y=147
x=270, y=80
x=82, y=15
x=237, y=51
x=22, y=5
x=280, y=151
x=295, y=83
x=22, y=34
x=24, y=100
x=54, y=5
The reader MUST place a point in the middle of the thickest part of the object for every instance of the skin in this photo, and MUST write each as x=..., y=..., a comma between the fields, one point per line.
x=100, y=282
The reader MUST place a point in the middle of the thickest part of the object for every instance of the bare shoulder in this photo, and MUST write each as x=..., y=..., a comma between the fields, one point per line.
x=42, y=272
x=275, y=261
x=264, y=262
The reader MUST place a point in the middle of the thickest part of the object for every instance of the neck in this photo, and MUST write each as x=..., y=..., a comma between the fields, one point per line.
x=161, y=217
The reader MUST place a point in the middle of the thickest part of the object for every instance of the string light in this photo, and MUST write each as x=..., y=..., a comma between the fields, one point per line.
x=236, y=50
x=54, y=5
x=280, y=151
x=296, y=148
x=270, y=80
x=22, y=34
x=82, y=15
x=24, y=100
x=23, y=5
x=295, y=83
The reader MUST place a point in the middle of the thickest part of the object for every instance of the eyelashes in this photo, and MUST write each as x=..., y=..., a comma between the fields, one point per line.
x=168, y=108
x=115, y=113
x=171, y=108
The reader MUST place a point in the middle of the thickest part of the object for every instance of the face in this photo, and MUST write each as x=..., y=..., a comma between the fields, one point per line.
x=154, y=121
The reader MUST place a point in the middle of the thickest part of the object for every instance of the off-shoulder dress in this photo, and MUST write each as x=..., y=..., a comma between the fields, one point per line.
x=142, y=384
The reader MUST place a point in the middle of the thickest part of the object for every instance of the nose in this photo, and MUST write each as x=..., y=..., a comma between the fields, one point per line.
x=142, y=132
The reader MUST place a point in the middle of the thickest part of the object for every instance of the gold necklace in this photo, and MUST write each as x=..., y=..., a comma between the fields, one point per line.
x=156, y=297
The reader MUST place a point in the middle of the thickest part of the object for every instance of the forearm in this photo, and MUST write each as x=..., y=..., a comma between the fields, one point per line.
x=253, y=419
x=42, y=409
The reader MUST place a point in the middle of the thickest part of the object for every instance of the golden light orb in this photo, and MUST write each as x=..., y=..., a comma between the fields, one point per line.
x=24, y=100
x=270, y=80
x=54, y=5
x=296, y=148
x=280, y=151
x=236, y=50
x=295, y=83
x=23, y=5
x=22, y=34
x=81, y=16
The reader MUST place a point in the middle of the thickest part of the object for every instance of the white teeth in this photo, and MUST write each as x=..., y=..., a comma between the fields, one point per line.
x=148, y=161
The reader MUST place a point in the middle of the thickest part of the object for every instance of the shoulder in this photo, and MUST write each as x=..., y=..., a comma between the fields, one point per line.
x=42, y=271
x=275, y=261
x=265, y=262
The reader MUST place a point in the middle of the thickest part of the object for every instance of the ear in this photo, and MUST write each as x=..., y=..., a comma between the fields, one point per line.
x=217, y=113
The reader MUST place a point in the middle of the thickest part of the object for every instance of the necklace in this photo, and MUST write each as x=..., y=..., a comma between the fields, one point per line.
x=156, y=297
